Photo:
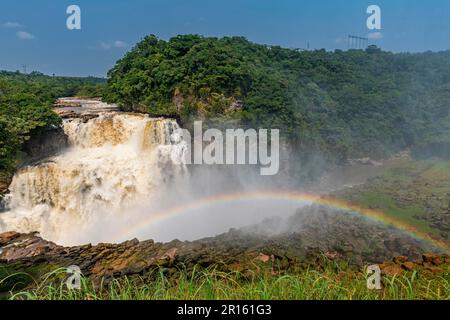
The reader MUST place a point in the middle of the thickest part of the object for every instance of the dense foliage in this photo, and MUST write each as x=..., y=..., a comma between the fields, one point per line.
x=343, y=103
x=339, y=104
x=25, y=107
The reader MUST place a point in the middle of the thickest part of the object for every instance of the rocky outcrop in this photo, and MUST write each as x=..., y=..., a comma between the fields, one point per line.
x=430, y=262
x=74, y=102
x=70, y=114
x=103, y=262
x=298, y=242
x=74, y=107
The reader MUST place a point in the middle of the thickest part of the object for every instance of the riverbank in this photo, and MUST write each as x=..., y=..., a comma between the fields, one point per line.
x=198, y=271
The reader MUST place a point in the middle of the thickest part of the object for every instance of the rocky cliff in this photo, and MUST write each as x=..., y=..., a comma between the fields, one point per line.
x=44, y=145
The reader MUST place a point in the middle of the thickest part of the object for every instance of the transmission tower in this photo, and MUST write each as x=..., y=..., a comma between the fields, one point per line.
x=355, y=42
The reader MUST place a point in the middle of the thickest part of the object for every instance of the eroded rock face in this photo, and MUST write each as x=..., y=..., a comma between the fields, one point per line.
x=22, y=251
x=45, y=144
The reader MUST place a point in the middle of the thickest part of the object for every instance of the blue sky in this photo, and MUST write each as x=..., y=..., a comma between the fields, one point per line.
x=34, y=32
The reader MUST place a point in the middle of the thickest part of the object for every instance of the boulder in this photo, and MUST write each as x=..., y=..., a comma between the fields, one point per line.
x=409, y=266
x=7, y=237
x=429, y=257
x=392, y=270
x=400, y=259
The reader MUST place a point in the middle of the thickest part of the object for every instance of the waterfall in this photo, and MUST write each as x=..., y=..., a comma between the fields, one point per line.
x=114, y=161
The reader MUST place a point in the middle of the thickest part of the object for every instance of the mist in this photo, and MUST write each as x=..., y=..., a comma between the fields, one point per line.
x=118, y=181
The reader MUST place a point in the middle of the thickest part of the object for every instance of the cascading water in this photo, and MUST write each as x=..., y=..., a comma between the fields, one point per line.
x=122, y=170
x=114, y=161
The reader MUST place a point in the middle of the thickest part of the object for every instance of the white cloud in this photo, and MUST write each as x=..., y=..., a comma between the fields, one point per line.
x=11, y=24
x=23, y=35
x=120, y=44
x=115, y=44
x=105, y=46
x=375, y=36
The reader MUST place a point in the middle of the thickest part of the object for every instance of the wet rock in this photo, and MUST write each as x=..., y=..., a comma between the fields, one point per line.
x=8, y=237
x=66, y=114
x=85, y=117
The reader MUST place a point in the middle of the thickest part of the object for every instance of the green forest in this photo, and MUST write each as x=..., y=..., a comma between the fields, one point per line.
x=340, y=104
x=337, y=104
x=26, y=102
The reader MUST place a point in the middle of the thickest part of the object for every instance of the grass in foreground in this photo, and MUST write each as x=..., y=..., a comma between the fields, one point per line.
x=309, y=284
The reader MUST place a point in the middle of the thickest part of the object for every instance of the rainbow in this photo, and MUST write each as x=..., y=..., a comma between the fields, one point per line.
x=374, y=215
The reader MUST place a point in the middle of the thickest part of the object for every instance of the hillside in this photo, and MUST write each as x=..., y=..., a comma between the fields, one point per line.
x=339, y=104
